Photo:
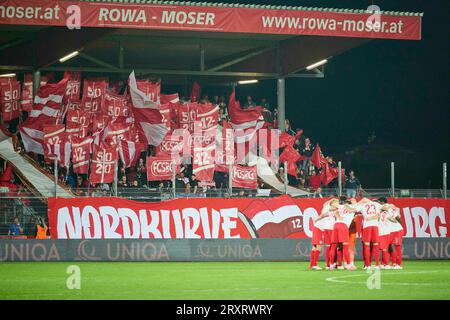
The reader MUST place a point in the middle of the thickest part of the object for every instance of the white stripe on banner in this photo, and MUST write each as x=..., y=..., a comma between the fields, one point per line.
x=279, y=215
x=51, y=97
x=50, y=112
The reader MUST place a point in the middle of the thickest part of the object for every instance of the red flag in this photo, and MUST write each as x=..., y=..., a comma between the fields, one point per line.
x=207, y=114
x=32, y=133
x=74, y=129
x=27, y=93
x=152, y=90
x=57, y=144
x=147, y=117
x=195, y=92
x=73, y=88
x=203, y=154
x=169, y=98
x=317, y=158
x=314, y=181
x=166, y=112
x=81, y=117
x=245, y=122
x=117, y=131
x=288, y=140
x=116, y=106
x=224, y=147
x=130, y=151
x=10, y=100
x=94, y=91
x=159, y=169
x=102, y=164
x=49, y=100
x=7, y=174
x=245, y=177
x=81, y=150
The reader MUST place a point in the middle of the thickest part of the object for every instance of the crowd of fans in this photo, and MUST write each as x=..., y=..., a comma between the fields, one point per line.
x=186, y=182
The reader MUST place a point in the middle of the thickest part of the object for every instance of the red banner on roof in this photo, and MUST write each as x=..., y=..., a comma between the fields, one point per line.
x=209, y=18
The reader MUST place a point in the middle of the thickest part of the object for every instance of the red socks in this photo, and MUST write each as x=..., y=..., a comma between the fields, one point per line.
x=339, y=258
x=366, y=252
x=394, y=257
x=385, y=257
x=314, y=258
x=346, y=253
x=333, y=252
x=376, y=252
x=398, y=250
x=327, y=255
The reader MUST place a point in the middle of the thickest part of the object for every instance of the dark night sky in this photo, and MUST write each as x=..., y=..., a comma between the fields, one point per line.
x=398, y=88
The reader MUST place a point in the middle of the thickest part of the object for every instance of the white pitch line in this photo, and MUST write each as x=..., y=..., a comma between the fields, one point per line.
x=336, y=279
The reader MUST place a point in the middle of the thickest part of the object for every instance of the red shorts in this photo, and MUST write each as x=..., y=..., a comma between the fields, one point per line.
x=317, y=237
x=327, y=236
x=397, y=238
x=385, y=241
x=370, y=234
x=340, y=233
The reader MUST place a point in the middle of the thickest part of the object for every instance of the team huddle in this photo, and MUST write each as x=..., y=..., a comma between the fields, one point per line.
x=336, y=229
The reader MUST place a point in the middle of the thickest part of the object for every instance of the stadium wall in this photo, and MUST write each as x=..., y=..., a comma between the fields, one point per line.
x=192, y=250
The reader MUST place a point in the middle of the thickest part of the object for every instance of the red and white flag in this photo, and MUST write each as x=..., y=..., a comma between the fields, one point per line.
x=204, y=162
x=57, y=144
x=169, y=98
x=117, y=131
x=81, y=153
x=245, y=177
x=73, y=88
x=151, y=90
x=278, y=217
x=130, y=151
x=146, y=114
x=207, y=114
x=102, y=164
x=94, y=91
x=116, y=106
x=166, y=112
x=27, y=93
x=74, y=129
x=32, y=133
x=224, y=147
x=159, y=169
x=288, y=140
x=187, y=115
x=245, y=122
x=10, y=100
x=48, y=101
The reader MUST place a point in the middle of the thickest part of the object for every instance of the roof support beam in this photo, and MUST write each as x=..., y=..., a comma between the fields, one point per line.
x=240, y=59
x=97, y=61
x=164, y=72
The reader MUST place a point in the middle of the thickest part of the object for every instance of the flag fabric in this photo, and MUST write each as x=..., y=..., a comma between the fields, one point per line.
x=207, y=114
x=224, y=147
x=81, y=151
x=74, y=129
x=169, y=98
x=32, y=133
x=317, y=157
x=245, y=177
x=147, y=116
x=203, y=160
x=314, y=181
x=291, y=156
x=328, y=174
x=81, y=117
x=10, y=100
x=195, y=92
x=279, y=217
x=166, y=112
x=53, y=134
x=245, y=122
x=94, y=91
x=129, y=152
x=116, y=131
x=73, y=88
x=151, y=90
x=48, y=100
x=288, y=140
x=160, y=169
x=102, y=164
x=27, y=93
x=116, y=106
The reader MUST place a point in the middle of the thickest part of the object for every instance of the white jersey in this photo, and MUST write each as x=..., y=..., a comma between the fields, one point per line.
x=384, y=225
x=326, y=223
x=369, y=209
x=394, y=213
x=346, y=216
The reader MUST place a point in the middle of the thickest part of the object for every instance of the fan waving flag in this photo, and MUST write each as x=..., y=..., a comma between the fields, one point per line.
x=245, y=122
x=129, y=152
x=81, y=150
x=10, y=100
x=146, y=114
x=102, y=164
x=317, y=157
x=48, y=100
x=288, y=140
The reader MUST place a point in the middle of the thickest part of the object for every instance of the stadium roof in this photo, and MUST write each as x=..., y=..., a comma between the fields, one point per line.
x=178, y=53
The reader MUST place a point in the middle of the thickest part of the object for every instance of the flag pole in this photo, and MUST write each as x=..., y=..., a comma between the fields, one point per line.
x=444, y=179
x=56, y=174
x=285, y=178
x=173, y=179
x=230, y=179
x=88, y=175
x=115, y=177
x=393, y=179
x=340, y=178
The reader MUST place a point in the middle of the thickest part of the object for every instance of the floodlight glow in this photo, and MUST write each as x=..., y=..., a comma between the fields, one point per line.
x=69, y=56
x=317, y=64
x=247, y=81
x=7, y=75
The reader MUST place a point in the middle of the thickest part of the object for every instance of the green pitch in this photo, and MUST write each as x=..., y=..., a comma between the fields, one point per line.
x=221, y=280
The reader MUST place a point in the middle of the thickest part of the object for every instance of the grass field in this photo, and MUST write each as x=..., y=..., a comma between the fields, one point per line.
x=220, y=280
